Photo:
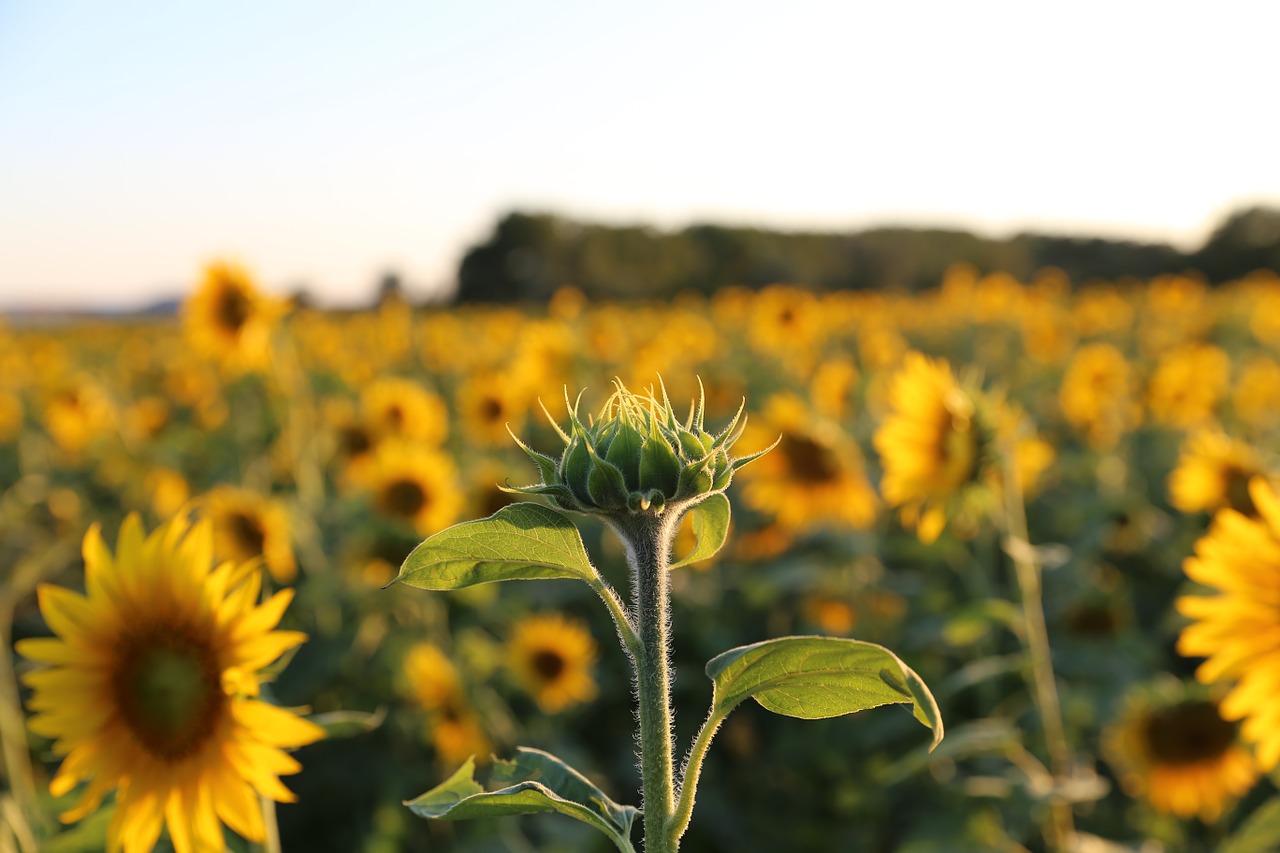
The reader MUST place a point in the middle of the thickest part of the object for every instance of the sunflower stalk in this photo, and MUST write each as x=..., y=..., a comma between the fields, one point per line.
x=1044, y=688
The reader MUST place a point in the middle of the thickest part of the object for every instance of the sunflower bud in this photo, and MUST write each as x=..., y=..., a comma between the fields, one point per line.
x=636, y=457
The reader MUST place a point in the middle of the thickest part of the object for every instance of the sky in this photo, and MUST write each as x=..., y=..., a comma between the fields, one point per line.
x=323, y=144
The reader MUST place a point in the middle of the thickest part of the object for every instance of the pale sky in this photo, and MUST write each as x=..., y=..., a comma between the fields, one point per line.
x=324, y=143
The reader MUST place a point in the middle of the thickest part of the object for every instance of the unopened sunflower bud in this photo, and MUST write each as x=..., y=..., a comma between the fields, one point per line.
x=637, y=458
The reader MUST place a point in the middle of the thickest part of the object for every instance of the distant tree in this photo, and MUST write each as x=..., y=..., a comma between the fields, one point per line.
x=1249, y=240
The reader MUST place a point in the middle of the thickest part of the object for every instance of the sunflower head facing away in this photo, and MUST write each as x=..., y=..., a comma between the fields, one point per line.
x=228, y=319
x=151, y=689
x=934, y=443
x=551, y=657
x=1178, y=753
x=1237, y=631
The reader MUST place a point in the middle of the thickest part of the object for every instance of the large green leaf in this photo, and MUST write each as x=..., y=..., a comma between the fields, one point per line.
x=524, y=541
x=535, y=782
x=813, y=678
x=710, y=529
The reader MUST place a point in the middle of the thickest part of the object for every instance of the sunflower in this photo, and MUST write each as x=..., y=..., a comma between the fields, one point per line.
x=228, y=319
x=931, y=444
x=1187, y=385
x=1256, y=397
x=248, y=526
x=1096, y=396
x=401, y=408
x=487, y=403
x=1179, y=754
x=1238, y=631
x=1213, y=471
x=413, y=484
x=814, y=476
x=551, y=658
x=76, y=412
x=433, y=682
x=152, y=689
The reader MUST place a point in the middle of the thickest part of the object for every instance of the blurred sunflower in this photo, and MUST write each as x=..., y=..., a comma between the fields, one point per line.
x=1238, y=631
x=551, y=657
x=1096, y=396
x=1256, y=397
x=229, y=320
x=813, y=477
x=433, y=682
x=1187, y=385
x=786, y=321
x=931, y=444
x=152, y=688
x=248, y=526
x=11, y=416
x=486, y=404
x=1214, y=471
x=414, y=484
x=77, y=411
x=401, y=408
x=1179, y=754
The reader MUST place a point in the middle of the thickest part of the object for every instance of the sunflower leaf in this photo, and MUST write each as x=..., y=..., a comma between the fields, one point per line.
x=524, y=541
x=812, y=678
x=533, y=782
x=1259, y=834
x=710, y=528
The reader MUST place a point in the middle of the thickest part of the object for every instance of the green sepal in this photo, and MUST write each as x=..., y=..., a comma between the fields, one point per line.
x=659, y=466
x=752, y=457
x=813, y=678
x=624, y=452
x=546, y=465
x=694, y=480
x=575, y=467
x=605, y=484
x=534, y=782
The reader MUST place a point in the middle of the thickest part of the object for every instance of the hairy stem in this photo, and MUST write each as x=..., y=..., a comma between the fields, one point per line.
x=692, y=771
x=648, y=541
x=1044, y=686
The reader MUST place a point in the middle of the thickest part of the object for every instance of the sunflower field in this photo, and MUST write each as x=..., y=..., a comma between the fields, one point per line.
x=1055, y=503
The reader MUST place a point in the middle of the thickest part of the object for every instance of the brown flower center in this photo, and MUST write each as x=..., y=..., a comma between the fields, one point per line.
x=808, y=460
x=247, y=531
x=354, y=440
x=404, y=498
x=233, y=309
x=1188, y=733
x=548, y=664
x=168, y=689
x=491, y=409
x=1235, y=488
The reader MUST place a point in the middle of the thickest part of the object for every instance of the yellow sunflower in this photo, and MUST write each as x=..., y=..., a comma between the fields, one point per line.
x=152, y=689
x=433, y=682
x=931, y=443
x=228, y=319
x=1180, y=755
x=78, y=411
x=551, y=658
x=401, y=408
x=813, y=477
x=414, y=484
x=1214, y=471
x=486, y=404
x=248, y=526
x=1238, y=631
x=1187, y=385
x=1097, y=395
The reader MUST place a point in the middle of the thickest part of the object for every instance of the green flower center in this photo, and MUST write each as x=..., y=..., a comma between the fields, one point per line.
x=1188, y=734
x=168, y=690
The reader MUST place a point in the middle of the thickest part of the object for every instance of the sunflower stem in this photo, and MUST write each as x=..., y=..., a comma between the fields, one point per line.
x=648, y=542
x=271, y=837
x=1044, y=686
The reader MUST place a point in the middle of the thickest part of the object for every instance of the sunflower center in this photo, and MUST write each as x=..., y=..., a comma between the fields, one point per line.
x=1188, y=733
x=168, y=691
x=1235, y=488
x=491, y=409
x=548, y=664
x=355, y=440
x=809, y=461
x=247, y=531
x=395, y=417
x=405, y=498
x=234, y=309
x=958, y=451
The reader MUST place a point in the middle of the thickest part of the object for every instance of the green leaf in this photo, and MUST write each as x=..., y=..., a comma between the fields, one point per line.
x=534, y=782
x=813, y=678
x=711, y=527
x=524, y=541
x=1259, y=834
